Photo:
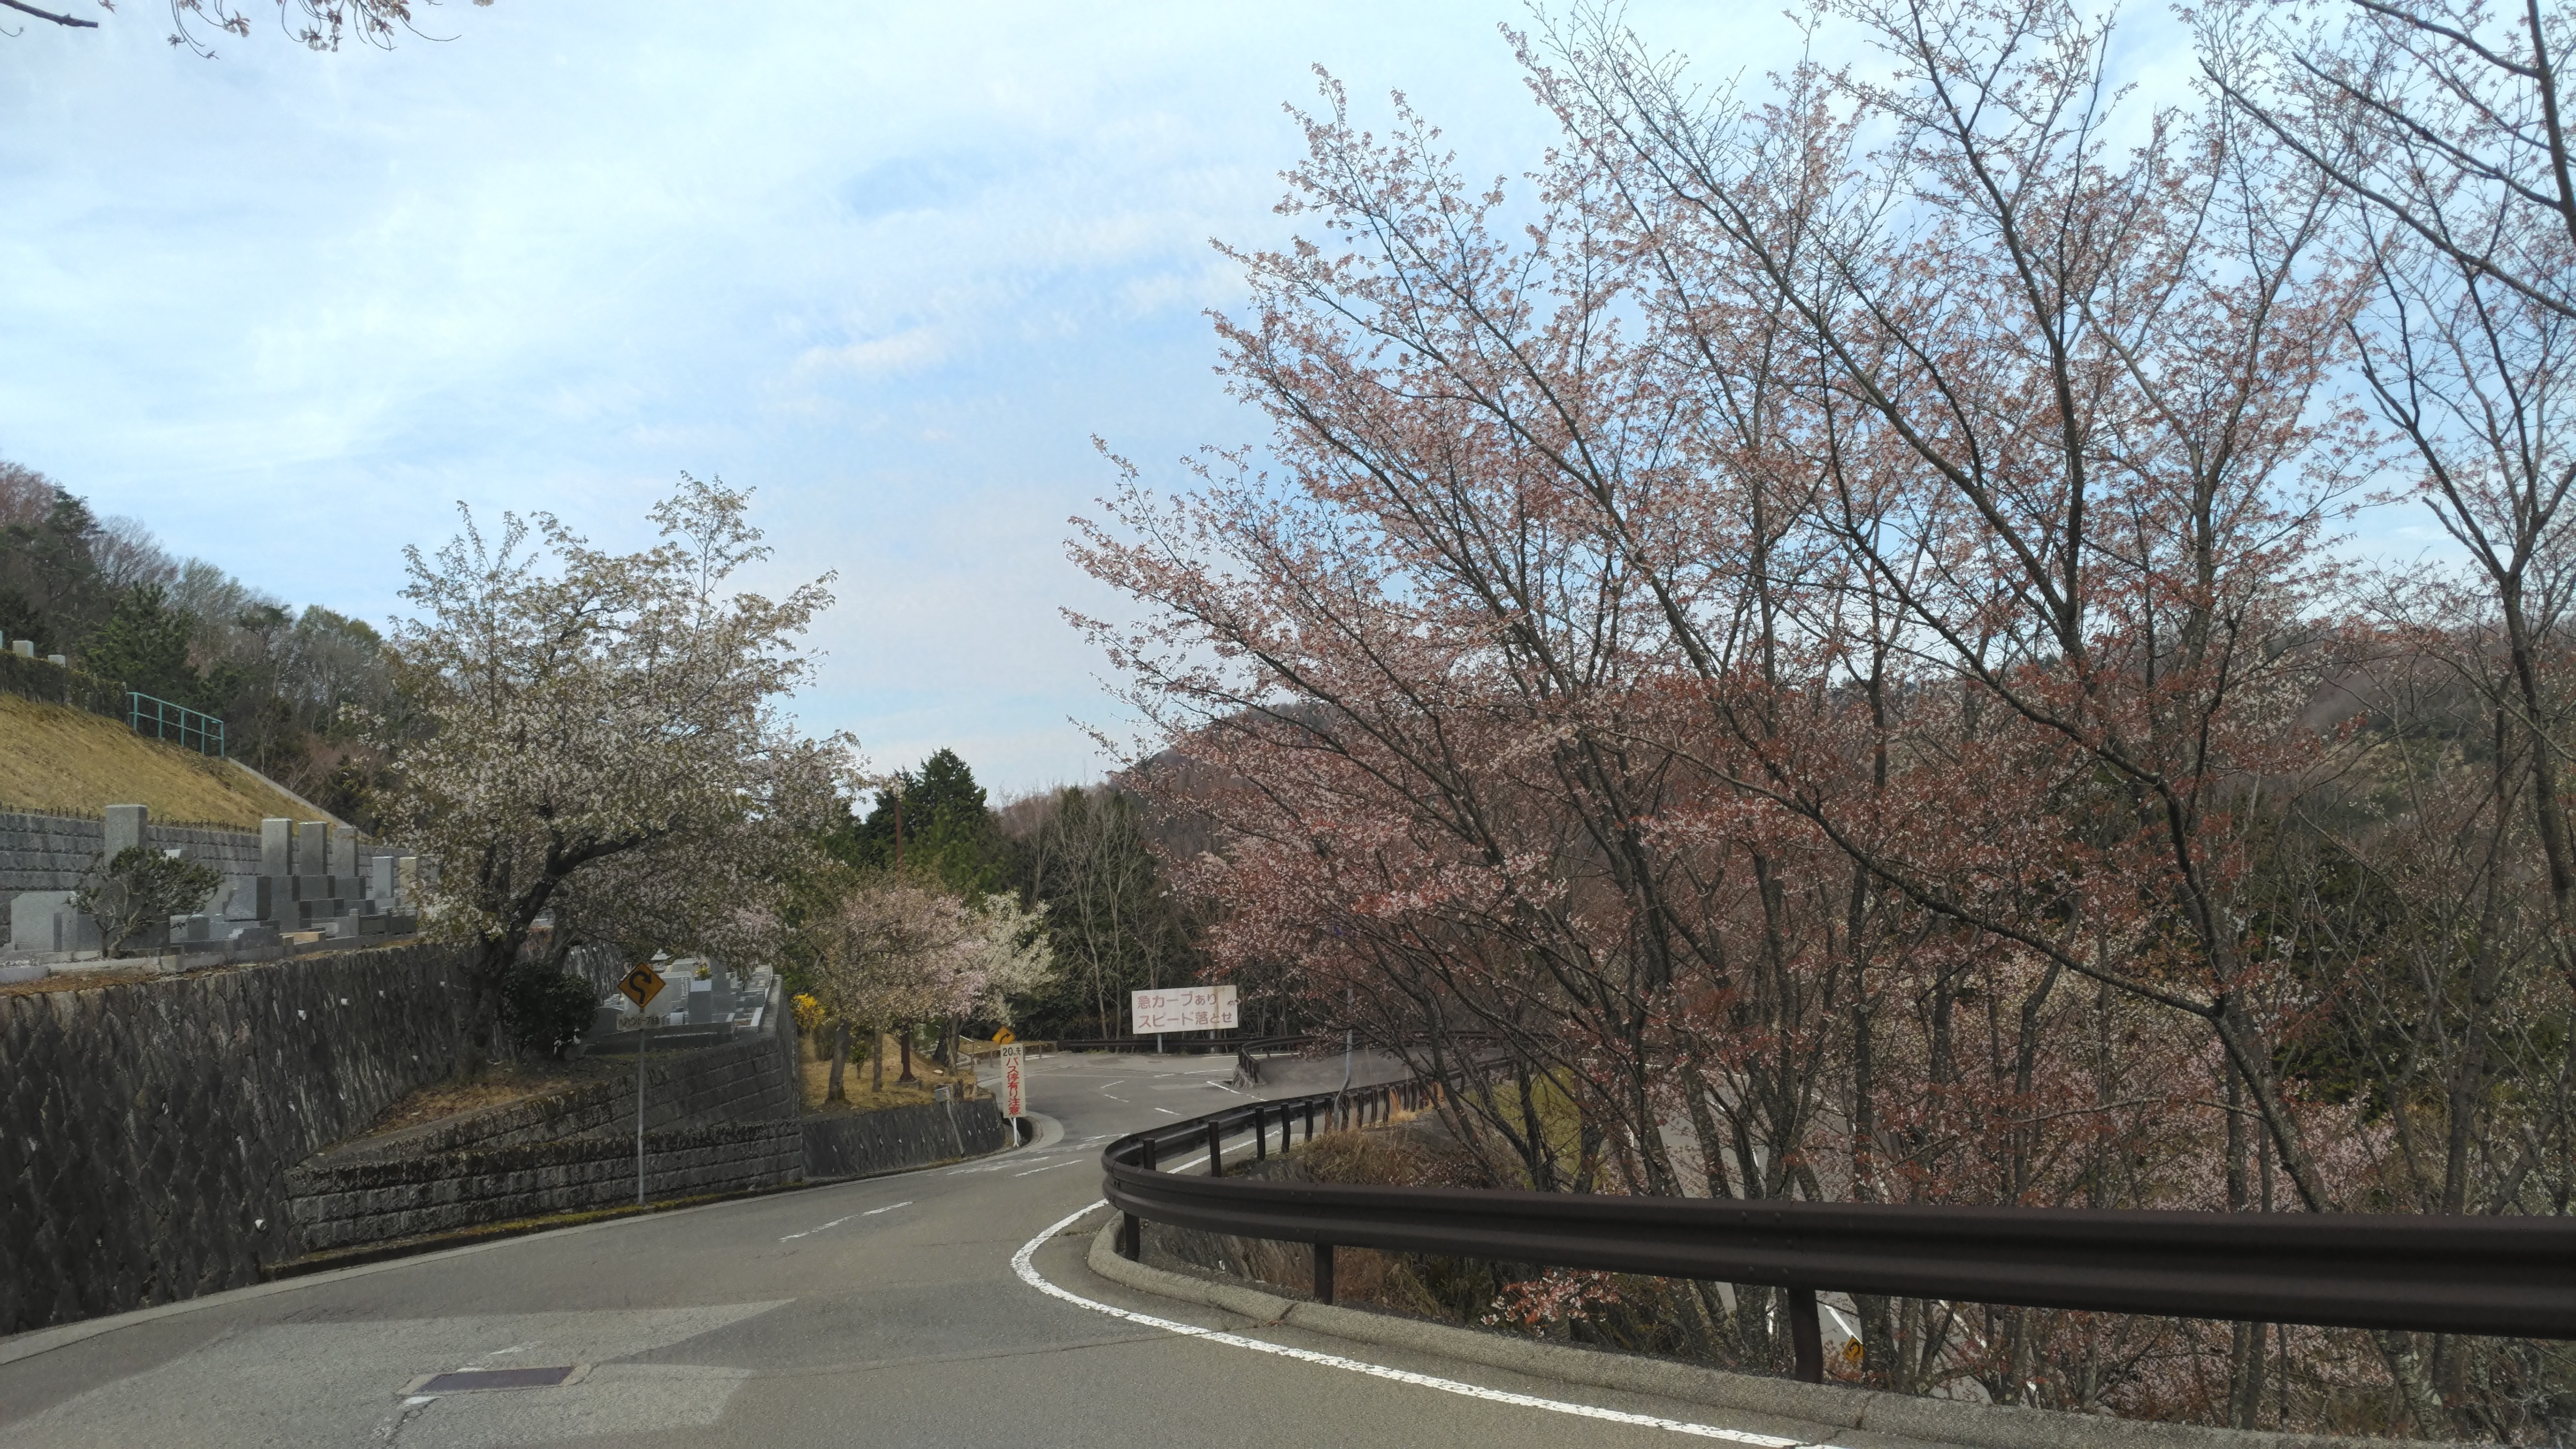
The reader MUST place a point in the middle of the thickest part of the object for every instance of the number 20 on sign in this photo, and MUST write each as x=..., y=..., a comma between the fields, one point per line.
x=1012, y=1101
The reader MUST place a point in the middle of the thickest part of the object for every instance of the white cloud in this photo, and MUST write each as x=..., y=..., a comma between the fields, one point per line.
x=892, y=264
x=907, y=351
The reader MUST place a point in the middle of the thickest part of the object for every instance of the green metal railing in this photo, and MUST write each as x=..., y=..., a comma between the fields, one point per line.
x=176, y=723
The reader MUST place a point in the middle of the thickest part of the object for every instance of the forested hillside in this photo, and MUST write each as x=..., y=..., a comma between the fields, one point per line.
x=107, y=594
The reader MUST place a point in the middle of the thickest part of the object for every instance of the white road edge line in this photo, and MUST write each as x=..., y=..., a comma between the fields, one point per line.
x=1023, y=1263
x=889, y=1207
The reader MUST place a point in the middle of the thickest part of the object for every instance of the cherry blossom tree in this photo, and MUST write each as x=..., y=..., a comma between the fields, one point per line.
x=604, y=736
x=1808, y=639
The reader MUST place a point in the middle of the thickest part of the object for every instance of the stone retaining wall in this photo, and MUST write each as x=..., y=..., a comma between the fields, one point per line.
x=746, y=1081
x=716, y=1119
x=164, y=1139
x=349, y=1204
x=146, y=1130
x=863, y=1143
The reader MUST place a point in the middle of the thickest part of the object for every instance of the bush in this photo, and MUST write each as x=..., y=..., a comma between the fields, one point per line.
x=547, y=1008
x=140, y=890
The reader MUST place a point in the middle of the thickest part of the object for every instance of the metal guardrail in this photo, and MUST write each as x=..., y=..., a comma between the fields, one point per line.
x=176, y=723
x=2508, y=1276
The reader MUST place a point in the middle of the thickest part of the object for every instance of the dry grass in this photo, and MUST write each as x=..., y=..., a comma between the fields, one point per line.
x=63, y=761
x=855, y=1078
x=80, y=981
x=506, y=1082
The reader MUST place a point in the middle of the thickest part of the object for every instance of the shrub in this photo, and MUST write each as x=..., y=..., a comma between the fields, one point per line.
x=139, y=890
x=546, y=1008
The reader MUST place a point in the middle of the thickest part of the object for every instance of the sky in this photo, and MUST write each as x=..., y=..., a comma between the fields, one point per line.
x=892, y=266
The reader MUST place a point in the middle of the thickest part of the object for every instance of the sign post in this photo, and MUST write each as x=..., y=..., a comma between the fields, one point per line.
x=1014, y=1100
x=640, y=986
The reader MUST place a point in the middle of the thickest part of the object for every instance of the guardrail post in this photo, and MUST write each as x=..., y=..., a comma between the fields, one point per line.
x=1806, y=1336
x=1131, y=1238
x=1323, y=1272
x=1310, y=1121
x=1146, y=1158
x=1261, y=1133
x=1216, y=1150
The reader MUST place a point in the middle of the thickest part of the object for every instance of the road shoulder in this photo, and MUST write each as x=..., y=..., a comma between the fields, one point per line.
x=1852, y=1416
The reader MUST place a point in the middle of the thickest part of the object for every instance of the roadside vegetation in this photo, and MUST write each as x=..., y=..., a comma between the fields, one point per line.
x=1816, y=627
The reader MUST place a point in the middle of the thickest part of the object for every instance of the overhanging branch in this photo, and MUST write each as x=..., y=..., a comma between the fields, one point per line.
x=26, y=9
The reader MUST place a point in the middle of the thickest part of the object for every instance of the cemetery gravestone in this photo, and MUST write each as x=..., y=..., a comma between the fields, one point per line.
x=126, y=825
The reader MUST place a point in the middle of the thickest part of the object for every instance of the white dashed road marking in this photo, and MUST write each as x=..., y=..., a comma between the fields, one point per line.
x=836, y=1222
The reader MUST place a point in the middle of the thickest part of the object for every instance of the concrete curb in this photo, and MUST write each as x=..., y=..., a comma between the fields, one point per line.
x=1950, y=1421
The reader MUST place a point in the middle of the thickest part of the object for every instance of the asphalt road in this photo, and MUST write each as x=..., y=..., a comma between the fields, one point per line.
x=881, y=1312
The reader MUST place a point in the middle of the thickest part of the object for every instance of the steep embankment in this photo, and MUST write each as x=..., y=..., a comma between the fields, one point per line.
x=55, y=760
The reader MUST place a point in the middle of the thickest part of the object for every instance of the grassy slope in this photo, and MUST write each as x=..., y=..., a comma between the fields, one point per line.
x=60, y=761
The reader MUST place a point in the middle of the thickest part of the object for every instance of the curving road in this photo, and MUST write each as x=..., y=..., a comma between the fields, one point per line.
x=889, y=1311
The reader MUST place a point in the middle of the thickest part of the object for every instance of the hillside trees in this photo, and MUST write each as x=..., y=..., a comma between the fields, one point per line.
x=610, y=715
x=104, y=593
x=1812, y=636
x=1114, y=923
x=945, y=828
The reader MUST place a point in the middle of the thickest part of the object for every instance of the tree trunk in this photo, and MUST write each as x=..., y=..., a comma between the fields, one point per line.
x=876, y=1056
x=906, y=1037
x=840, y=1060
x=483, y=1006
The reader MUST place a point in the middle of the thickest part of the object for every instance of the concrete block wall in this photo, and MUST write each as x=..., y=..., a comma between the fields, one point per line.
x=350, y=1204
x=146, y=1130
x=862, y=1143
